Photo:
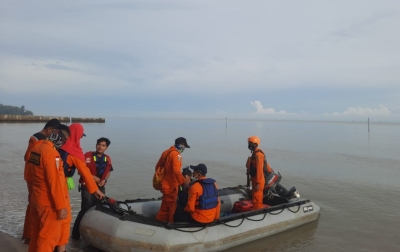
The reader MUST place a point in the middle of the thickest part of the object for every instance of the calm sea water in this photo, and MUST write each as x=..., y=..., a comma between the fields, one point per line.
x=352, y=174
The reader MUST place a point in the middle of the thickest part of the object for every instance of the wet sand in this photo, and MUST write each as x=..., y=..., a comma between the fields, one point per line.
x=9, y=243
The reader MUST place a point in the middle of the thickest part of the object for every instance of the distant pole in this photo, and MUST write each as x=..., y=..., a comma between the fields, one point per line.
x=368, y=124
x=226, y=122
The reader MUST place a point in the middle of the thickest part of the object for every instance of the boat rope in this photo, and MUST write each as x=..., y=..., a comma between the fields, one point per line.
x=294, y=211
x=283, y=208
x=167, y=225
x=247, y=218
x=265, y=214
x=224, y=223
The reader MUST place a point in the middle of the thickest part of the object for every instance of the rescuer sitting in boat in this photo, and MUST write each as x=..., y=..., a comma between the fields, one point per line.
x=183, y=194
x=203, y=205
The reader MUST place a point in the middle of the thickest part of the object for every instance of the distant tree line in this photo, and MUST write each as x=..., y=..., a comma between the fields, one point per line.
x=14, y=110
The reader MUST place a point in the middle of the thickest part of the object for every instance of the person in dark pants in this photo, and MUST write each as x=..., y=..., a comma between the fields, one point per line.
x=100, y=166
x=183, y=194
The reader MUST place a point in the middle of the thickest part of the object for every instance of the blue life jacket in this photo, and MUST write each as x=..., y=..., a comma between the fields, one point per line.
x=209, y=198
x=101, y=164
x=69, y=171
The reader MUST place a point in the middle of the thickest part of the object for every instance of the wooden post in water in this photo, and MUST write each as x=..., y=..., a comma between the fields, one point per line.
x=368, y=124
x=226, y=122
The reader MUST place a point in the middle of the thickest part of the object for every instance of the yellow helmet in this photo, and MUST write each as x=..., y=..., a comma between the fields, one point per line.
x=254, y=139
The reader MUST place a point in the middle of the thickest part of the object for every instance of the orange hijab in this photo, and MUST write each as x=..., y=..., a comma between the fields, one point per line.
x=73, y=144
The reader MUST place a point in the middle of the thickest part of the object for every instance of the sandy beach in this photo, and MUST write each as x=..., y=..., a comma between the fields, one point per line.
x=9, y=243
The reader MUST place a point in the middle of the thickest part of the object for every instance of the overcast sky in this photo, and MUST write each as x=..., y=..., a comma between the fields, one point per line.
x=237, y=59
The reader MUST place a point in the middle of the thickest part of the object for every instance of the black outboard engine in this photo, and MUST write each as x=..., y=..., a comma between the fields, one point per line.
x=283, y=192
x=272, y=185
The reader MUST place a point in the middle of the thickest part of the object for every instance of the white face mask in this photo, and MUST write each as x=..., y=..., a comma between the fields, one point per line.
x=196, y=177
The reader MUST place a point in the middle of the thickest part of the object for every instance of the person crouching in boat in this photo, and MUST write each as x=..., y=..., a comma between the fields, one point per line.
x=203, y=204
x=255, y=167
x=183, y=194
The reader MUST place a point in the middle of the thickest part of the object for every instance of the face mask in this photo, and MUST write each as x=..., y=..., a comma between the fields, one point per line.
x=57, y=138
x=251, y=146
x=180, y=147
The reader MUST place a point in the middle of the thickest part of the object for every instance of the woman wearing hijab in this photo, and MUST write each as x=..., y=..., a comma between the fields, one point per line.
x=76, y=159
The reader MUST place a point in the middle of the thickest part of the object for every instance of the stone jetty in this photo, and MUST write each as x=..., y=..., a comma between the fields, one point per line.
x=36, y=119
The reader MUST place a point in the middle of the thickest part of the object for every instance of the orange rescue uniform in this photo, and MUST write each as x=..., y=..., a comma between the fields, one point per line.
x=200, y=215
x=257, y=161
x=90, y=185
x=49, y=195
x=169, y=183
x=28, y=178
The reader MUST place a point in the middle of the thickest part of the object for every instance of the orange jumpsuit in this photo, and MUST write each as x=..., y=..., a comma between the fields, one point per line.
x=257, y=161
x=169, y=183
x=200, y=215
x=28, y=178
x=90, y=185
x=49, y=194
x=47, y=231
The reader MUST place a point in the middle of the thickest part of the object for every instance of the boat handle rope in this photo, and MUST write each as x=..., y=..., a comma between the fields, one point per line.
x=283, y=208
x=232, y=225
x=265, y=214
x=298, y=209
x=167, y=226
x=247, y=218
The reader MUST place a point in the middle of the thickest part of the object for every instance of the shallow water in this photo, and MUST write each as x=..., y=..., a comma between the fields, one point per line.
x=351, y=174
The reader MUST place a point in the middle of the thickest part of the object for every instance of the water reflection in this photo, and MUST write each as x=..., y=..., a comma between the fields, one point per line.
x=296, y=239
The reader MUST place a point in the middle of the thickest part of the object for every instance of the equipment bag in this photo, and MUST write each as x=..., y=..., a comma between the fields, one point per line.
x=159, y=174
x=244, y=206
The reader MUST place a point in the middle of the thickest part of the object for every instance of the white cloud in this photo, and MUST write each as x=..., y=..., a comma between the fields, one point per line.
x=359, y=111
x=269, y=111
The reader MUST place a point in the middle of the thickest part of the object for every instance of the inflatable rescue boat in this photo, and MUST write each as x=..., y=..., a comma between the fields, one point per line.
x=130, y=225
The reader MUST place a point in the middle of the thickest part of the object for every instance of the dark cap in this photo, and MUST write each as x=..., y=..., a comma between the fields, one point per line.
x=202, y=168
x=53, y=123
x=182, y=140
x=186, y=171
x=64, y=127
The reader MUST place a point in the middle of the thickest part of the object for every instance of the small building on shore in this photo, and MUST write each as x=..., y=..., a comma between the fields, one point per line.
x=36, y=119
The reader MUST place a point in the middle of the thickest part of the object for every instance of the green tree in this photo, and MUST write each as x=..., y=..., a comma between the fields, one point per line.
x=13, y=110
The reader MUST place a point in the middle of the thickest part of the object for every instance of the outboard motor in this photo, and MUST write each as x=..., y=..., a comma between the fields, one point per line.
x=272, y=186
x=283, y=192
x=271, y=180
